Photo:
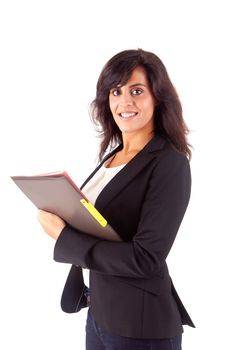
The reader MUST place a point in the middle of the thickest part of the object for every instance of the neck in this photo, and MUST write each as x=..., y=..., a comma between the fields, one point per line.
x=135, y=142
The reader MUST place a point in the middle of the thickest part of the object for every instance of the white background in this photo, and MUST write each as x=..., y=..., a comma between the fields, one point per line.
x=51, y=55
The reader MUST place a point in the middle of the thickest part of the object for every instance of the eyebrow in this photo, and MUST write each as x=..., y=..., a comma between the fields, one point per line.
x=132, y=85
x=137, y=84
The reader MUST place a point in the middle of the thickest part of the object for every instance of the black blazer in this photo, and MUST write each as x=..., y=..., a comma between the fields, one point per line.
x=131, y=291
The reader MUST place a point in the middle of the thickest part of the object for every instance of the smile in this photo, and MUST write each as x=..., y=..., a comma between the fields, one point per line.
x=128, y=115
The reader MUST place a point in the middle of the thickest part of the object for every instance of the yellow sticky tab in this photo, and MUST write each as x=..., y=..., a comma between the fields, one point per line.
x=94, y=212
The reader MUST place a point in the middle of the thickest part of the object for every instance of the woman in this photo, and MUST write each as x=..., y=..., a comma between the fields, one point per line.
x=142, y=187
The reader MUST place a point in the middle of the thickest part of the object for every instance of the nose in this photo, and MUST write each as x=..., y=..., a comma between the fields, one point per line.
x=126, y=99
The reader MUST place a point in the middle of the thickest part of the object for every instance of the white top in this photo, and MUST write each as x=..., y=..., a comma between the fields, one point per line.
x=93, y=188
x=101, y=178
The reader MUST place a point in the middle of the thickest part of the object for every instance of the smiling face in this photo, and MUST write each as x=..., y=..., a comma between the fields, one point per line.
x=132, y=105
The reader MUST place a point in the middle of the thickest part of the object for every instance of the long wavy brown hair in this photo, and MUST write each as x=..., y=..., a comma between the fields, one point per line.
x=168, y=116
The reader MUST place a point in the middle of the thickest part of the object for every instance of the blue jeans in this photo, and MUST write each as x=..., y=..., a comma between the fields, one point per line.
x=98, y=339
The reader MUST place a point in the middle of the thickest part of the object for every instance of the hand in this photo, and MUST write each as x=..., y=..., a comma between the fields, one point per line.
x=51, y=223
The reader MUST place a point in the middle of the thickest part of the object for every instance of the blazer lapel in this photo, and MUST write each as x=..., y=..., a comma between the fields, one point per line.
x=118, y=148
x=130, y=170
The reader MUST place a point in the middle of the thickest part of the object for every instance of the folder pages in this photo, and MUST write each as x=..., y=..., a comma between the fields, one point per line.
x=58, y=194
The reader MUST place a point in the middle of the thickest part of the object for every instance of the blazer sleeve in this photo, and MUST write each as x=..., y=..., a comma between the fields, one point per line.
x=163, y=208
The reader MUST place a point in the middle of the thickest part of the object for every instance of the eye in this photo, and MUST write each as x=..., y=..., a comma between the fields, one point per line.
x=136, y=91
x=115, y=92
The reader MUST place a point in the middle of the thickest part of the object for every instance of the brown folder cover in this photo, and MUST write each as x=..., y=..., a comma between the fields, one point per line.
x=58, y=194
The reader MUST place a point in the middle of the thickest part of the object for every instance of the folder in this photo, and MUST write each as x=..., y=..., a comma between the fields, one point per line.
x=57, y=193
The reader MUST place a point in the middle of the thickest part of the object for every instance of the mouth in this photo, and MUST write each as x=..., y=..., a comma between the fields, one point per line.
x=126, y=115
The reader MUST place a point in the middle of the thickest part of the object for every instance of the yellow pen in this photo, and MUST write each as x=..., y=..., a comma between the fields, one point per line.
x=94, y=212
